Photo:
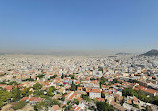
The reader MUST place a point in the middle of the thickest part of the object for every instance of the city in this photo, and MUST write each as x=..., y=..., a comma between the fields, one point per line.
x=78, y=55
x=78, y=83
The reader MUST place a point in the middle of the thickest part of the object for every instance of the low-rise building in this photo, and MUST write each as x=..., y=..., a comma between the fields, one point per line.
x=95, y=93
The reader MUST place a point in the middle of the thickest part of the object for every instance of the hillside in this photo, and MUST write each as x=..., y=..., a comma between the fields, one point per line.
x=152, y=52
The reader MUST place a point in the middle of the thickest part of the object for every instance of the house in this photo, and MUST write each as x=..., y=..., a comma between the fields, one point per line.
x=9, y=87
x=135, y=100
x=149, y=91
x=32, y=100
x=100, y=99
x=80, y=107
x=79, y=88
x=129, y=107
x=95, y=93
x=118, y=107
x=109, y=98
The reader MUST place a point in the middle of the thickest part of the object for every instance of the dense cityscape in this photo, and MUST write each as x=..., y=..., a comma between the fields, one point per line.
x=78, y=55
x=78, y=83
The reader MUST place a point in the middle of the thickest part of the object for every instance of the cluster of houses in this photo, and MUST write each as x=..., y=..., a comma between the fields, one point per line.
x=138, y=73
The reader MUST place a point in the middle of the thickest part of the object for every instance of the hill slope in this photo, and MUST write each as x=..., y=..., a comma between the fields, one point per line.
x=152, y=52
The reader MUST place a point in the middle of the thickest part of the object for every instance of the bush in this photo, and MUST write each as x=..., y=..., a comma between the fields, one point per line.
x=1, y=104
x=102, y=95
x=140, y=95
x=4, y=96
x=50, y=91
x=103, y=106
x=92, y=108
x=13, y=82
x=37, y=86
x=19, y=105
x=52, y=77
x=85, y=97
x=76, y=101
x=40, y=76
x=73, y=87
x=28, y=79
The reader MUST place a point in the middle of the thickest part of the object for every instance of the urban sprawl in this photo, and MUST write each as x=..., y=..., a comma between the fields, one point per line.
x=79, y=83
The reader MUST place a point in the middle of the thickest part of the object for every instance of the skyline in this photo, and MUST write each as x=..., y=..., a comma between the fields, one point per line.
x=78, y=26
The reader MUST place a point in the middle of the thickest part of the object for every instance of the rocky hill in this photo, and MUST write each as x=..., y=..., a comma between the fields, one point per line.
x=152, y=52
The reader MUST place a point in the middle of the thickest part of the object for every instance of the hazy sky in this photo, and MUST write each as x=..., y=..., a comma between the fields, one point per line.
x=117, y=25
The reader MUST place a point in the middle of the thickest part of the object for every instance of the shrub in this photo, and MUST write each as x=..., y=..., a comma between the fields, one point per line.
x=19, y=105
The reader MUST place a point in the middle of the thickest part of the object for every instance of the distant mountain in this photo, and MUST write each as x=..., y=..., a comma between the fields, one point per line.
x=152, y=52
x=121, y=53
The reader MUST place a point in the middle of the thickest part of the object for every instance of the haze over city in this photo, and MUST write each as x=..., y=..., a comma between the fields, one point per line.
x=78, y=55
x=78, y=27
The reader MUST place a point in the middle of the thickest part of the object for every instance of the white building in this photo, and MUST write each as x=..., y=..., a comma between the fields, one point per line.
x=95, y=93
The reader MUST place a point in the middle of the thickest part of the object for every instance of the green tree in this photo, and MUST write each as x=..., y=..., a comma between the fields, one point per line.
x=76, y=101
x=103, y=106
x=13, y=82
x=52, y=77
x=92, y=79
x=19, y=105
x=37, y=86
x=84, y=89
x=55, y=102
x=85, y=97
x=92, y=108
x=1, y=104
x=16, y=93
x=40, y=76
x=155, y=100
x=68, y=108
x=63, y=98
x=38, y=93
x=139, y=94
x=40, y=106
x=115, y=81
x=100, y=84
x=73, y=86
x=48, y=102
x=68, y=102
x=102, y=81
x=28, y=79
x=26, y=92
x=128, y=92
x=62, y=76
x=51, y=90
x=135, y=105
x=18, y=96
x=3, y=82
x=102, y=95
x=4, y=97
x=73, y=77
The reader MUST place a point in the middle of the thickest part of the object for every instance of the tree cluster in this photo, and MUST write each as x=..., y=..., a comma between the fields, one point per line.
x=103, y=106
x=140, y=95
x=19, y=105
